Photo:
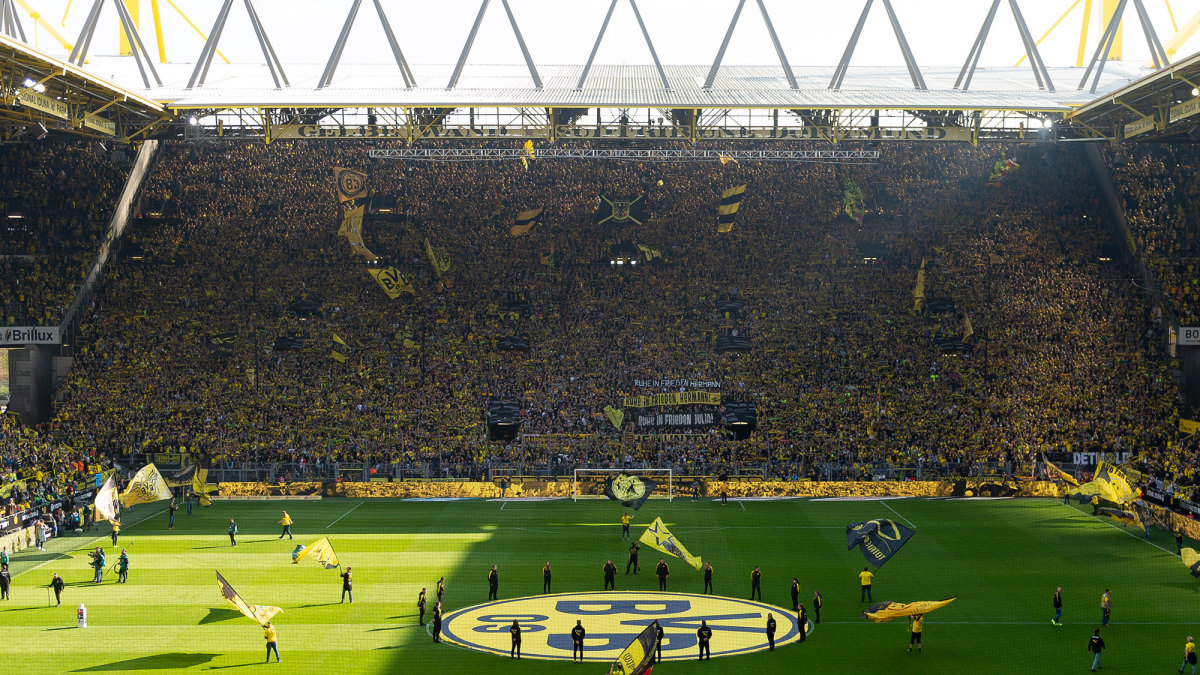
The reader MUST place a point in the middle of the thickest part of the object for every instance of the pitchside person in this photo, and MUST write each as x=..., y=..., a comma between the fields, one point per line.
x=864, y=578
x=493, y=583
x=658, y=638
x=437, y=621
x=441, y=586
x=916, y=624
x=232, y=533
x=270, y=636
x=708, y=571
x=577, y=635
x=515, y=631
x=795, y=594
x=770, y=633
x=1189, y=655
x=756, y=583
x=1105, y=607
x=5, y=581
x=633, y=558
x=663, y=572
x=1095, y=646
x=610, y=575
x=703, y=635
x=625, y=518
x=816, y=605
x=286, y=522
x=1057, y=607
x=347, y=586
x=421, y=607
x=546, y=577
x=802, y=617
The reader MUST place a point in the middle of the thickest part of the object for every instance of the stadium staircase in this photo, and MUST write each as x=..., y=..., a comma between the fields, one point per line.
x=1125, y=241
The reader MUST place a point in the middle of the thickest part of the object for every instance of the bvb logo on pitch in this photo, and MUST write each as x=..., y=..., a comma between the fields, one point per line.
x=613, y=620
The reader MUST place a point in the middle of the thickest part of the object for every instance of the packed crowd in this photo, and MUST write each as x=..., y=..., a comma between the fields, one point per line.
x=58, y=198
x=841, y=368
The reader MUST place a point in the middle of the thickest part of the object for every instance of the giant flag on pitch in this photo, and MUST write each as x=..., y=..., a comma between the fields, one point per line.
x=658, y=537
x=351, y=184
x=321, y=551
x=106, y=501
x=260, y=614
x=879, y=539
x=1191, y=559
x=731, y=200
x=886, y=611
x=146, y=486
x=632, y=491
x=639, y=655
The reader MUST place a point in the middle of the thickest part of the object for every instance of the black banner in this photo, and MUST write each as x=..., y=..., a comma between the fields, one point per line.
x=879, y=539
x=631, y=491
x=621, y=210
x=513, y=343
x=733, y=340
x=676, y=420
x=222, y=344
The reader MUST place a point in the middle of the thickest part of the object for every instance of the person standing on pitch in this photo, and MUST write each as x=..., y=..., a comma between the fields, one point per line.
x=5, y=581
x=286, y=521
x=171, y=508
x=864, y=578
x=272, y=646
x=610, y=575
x=703, y=635
x=658, y=638
x=441, y=586
x=493, y=583
x=756, y=583
x=515, y=631
x=1189, y=655
x=123, y=567
x=98, y=563
x=546, y=577
x=625, y=518
x=437, y=621
x=187, y=501
x=795, y=591
x=232, y=532
x=816, y=605
x=633, y=558
x=770, y=633
x=347, y=585
x=663, y=572
x=57, y=584
x=916, y=624
x=1105, y=607
x=1057, y=607
x=708, y=571
x=577, y=634
x=116, y=529
x=421, y=607
x=1095, y=646
x=802, y=617
x=4, y=556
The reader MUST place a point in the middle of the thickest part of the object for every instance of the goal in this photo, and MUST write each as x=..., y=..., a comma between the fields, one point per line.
x=589, y=483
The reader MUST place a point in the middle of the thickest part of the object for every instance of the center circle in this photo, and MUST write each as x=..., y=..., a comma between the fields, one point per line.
x=613, y=619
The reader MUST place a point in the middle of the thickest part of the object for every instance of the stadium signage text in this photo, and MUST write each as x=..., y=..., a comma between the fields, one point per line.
x=325, y=131
x=51, y=106
x=613, y=620
x=1189, y=335
x=682, y=398
x=678, y=384
x=1093, y=458
x=29, y=335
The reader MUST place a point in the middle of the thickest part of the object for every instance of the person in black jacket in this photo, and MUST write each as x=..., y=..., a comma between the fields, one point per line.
x=57, y=584
x=663, y=572
x=703, y=635
x=5, y=581
x=421, y=606
x=493, y=583
x=770, y=633
x=610, y=575
x=347, y=586
x=515, y=631
x=708, y=571
x=756, y=583
x=658, y=638
x=1095, y=646
x=577, y=635
x=546, y=577
x=437, y=622
x=803, y=617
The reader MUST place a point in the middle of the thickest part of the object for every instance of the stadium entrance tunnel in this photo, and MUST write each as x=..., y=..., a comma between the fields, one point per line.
x=613, y=619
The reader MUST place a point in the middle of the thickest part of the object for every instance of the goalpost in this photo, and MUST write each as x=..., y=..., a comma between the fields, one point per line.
x=589, y=483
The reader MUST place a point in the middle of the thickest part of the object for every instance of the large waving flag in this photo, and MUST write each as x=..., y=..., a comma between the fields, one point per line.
x=658, y=537
x=200, y=487
x=524, y=222
x=351, y=229
x=106, y=501
x=147, y=486
x=321, y=551
x=731, y=200
x=639, y=655
x=886, y=611
x=879, y=539
x=392, y=282
x=1110, y=484
x=439, y=258
x=1055, y=472
x=351, y=184
x=1191, y=559
x=632, y=491
x=260, y=614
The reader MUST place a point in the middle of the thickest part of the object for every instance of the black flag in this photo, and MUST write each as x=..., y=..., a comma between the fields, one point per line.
x=879, y=539
x=631, y=491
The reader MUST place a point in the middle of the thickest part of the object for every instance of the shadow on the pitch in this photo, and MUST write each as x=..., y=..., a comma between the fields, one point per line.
x=171, y=661
x=234, y=665
x=22, y=609
x=215, y=615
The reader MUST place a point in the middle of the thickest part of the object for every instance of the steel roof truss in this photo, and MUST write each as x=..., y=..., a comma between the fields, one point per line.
x=136, y=46
x=1109, y=36
x=214, y=38
x=512, y=20
x=910, y=62
x=716, y=66
x=335, y=56
x=10, y=21
x=1031, y=51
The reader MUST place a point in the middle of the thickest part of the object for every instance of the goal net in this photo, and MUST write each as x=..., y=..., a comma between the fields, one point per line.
x=589, y=483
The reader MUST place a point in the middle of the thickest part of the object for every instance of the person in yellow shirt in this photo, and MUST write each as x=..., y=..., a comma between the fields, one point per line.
x=116, y=529
x=625, y=518
x=864, y=578
x=269, y=636
x=916, y=624
x=1189, y=655
x=286, y=521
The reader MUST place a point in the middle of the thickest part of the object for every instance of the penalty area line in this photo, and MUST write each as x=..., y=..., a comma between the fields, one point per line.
x=741, y=504
x=343, y=515
x=889, y=507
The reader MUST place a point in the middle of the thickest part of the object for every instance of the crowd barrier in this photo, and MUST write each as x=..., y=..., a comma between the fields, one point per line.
x=541, y=487
x=18, y=540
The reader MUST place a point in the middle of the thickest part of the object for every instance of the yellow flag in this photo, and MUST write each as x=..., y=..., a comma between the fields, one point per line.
x=439, y=259
x=351, y=184
x=146, y=486
x=260, y=614
x=392, y=282
x=649, y=253
x=321, y=551
x=202, y=488
x=524, y=222
x=886, y=611
x=658, y=537
x=351, y=229
x=1188, y=426
x=614, y=415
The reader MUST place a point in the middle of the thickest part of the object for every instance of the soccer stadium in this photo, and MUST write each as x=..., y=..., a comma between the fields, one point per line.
x=622, y=336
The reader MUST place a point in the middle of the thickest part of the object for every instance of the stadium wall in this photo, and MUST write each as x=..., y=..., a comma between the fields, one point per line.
x=563, y=488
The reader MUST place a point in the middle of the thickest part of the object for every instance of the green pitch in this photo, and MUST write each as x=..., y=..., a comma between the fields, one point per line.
x=1002, y=559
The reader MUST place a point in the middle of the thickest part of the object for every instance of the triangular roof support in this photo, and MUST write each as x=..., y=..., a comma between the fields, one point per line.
x=914, y=72
x=462, y=59
x=1110, y=34
x=336, y=55
x=140, y=55
x=10, y=22
x=587, y=68
x=1031, y=51
x=214, y=38
x=716, y=66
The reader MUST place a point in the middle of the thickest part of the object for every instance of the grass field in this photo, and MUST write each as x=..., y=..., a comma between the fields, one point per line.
x=1002, y=559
